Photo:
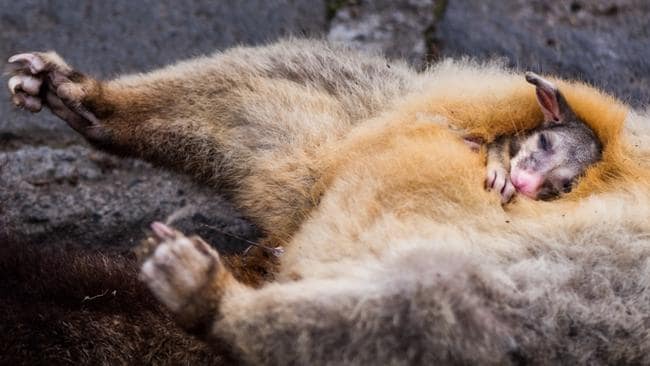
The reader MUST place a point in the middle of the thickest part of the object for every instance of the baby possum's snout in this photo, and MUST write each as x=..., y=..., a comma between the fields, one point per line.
x=548, y=161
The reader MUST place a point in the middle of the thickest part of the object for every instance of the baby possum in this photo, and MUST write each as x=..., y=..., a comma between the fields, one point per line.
x=544, y=162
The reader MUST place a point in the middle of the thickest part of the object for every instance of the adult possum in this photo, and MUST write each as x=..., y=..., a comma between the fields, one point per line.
x=393, y=252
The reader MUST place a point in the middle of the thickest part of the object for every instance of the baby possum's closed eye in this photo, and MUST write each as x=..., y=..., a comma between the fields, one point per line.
x=545, y=162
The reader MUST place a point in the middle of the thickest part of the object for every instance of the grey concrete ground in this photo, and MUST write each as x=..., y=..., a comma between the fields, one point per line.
x=55, y=190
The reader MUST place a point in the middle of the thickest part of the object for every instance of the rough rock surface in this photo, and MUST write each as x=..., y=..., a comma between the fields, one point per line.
x=399, y=29
x=80, y=197
x=54, y=189
x=605, y=42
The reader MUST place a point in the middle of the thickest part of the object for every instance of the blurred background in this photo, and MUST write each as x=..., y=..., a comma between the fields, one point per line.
x=55, y=190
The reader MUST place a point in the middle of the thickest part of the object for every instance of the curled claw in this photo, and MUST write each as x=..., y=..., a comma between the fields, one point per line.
x=29, y=61
x=28, y=84
x=498, y=179
x=507, y=192
x=163, y=231
x=489, y=182
x=14, y=84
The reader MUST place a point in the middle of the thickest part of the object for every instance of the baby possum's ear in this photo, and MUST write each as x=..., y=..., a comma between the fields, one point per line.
x=554, y=106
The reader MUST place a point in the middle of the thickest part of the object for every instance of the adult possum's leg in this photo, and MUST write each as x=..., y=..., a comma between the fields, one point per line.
x=251, y=120
x=221, y=126
x=140, y=119
x=224, y=89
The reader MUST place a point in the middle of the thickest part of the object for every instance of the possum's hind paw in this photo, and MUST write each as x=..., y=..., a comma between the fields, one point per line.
x=498, y=179
x=43, y=79
x=179, y=268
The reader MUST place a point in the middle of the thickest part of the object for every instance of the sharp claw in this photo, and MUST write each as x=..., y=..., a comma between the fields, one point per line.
x=163, y=231
x=489, y=182
x=33, y=62
x=507, y=193
x=13, y=59
x=14, y=83
x=28, y=84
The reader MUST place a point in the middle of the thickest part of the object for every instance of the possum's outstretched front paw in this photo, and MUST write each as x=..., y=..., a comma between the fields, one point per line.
x=498, y=179
x=179, y=268
x=44, y=79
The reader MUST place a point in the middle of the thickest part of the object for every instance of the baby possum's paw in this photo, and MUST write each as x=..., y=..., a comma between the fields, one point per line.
x=43, y=79
x=179, y=268
x=498, y=179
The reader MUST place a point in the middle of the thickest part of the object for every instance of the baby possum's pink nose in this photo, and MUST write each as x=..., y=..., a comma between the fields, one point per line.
x=526, y=183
